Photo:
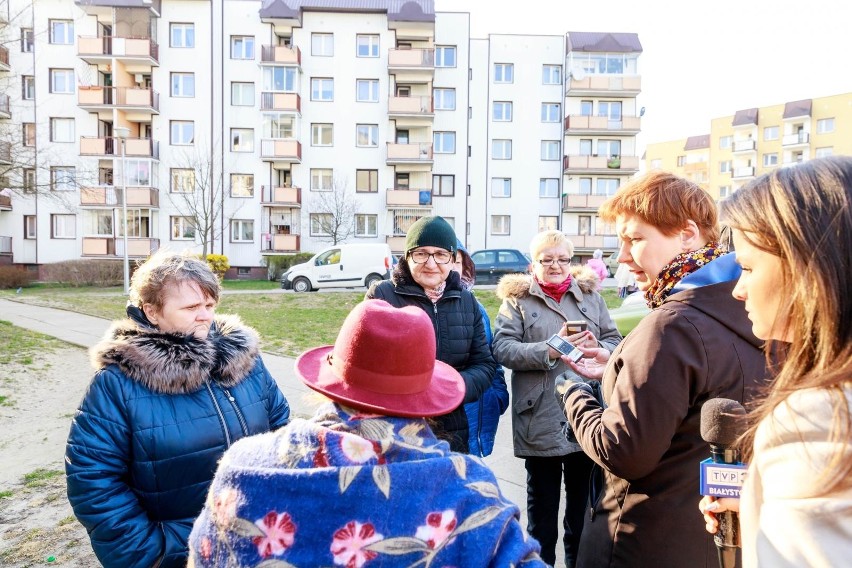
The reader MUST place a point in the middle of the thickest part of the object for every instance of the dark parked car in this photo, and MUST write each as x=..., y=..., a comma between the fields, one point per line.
x=492, y=264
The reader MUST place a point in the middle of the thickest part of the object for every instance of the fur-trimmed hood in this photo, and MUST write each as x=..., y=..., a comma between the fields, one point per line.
x=175, y=363
x=518, y=285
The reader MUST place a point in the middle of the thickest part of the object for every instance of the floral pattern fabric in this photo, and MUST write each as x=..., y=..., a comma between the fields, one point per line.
x=680, y=266
x=356, y=490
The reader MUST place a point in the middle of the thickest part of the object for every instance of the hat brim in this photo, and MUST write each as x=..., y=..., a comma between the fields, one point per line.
x=444, y=394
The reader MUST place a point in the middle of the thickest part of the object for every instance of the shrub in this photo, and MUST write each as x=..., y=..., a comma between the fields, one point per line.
x=85, y=272
x=14, y=277
x=218, y=263
x=278, y=265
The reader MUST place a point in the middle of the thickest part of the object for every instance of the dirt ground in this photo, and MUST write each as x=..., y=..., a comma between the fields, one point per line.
x=37, y=527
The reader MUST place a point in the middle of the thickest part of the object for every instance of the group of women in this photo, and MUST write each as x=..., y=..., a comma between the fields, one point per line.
x=176, y=387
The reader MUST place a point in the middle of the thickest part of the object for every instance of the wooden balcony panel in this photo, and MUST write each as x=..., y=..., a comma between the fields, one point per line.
x=421, y=151
x=409, y=197
x=286, y=243
x=410, y=105
x=412, y=58
x=285, y=150
x=6, y=202
x=281, y=101
x=286, y=55
x=397, y=244
x=281, y=196
x=98, y=246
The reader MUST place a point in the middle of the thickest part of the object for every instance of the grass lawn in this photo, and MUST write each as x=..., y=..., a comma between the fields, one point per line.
x=288, y=323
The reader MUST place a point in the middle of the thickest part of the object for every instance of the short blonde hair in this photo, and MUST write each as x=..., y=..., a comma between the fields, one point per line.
x=549, y=239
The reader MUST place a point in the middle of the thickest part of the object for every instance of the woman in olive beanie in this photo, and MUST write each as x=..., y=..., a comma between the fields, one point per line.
x=425, y=278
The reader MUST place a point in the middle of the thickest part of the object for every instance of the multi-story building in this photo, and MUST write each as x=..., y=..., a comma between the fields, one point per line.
x=757, y=140
x=250, y=128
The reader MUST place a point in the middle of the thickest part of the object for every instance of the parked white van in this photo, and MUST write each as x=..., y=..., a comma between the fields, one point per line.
x=341, y=266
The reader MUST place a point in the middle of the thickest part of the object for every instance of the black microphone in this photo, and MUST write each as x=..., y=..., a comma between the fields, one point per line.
x=722, y=422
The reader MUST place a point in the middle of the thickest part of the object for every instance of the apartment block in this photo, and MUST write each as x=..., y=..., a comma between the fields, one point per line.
x=257, y=128
x=754, y=141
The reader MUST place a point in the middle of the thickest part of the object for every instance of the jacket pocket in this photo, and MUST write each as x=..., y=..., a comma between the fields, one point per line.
x=528, y=415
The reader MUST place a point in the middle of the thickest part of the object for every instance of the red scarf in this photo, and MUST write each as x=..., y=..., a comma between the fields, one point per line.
x=555, y=291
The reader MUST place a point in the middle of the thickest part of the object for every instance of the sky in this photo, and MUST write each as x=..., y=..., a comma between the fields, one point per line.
x=702, y=59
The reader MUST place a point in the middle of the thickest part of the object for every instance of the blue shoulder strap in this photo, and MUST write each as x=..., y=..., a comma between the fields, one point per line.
x=722, y=269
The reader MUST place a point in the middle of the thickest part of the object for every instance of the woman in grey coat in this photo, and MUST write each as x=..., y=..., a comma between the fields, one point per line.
x=535, y=307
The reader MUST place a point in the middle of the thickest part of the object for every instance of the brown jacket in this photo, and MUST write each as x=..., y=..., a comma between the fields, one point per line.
x=696, y=346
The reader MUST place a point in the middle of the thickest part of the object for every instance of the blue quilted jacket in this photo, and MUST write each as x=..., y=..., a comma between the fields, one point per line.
x=483, y=415
x=157, y=417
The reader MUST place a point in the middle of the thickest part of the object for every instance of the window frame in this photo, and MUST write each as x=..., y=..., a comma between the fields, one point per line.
x=317, y=217
x=546, y=111
x=372, y=50
x=438, y=96
x=441, y=52
x=443, y=136
x=28, y=134
x=175, y=175
x=367, y=233
x=68, y=85
x=326, y=43
x=772, y=131
x=443, y=180
x=70, y=222
x=504, y=185
x=504, y=73
x=545, y=74
x=504, y=143
x=548, y=226
x=182, y=28
x=28, y=87
x=372, y=133
x=825, y=125
x=238, y=88
x=63, y=178
x=322, y=175
x=177, y=131
x=241, y=133
x=372, y=87
x=321, y=81
x=505, y=220
x=503, y=106
x=243, y=184
x=30, y=227
x=770, y=159
x=237, y=226
x=55, y=121
x=68, y=26
x=372, y=178
x=242, y=47
x=178, y=85
x=27, y=40
x=318, y=130
x=543, y=186
x=545, y=154
x=183, y=223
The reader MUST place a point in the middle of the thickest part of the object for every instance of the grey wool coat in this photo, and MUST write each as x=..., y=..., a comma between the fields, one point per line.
x=527, y=318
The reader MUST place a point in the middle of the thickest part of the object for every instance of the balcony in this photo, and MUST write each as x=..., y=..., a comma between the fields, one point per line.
x=280, y=196
x=110, y=196
x=616, y=165
x=410, y=157
x=409, y=198
x=397, y=244
x=110, y=146
x=4, y=59
x=576, y=202
x=602, y=125
x=796, y=139
x=281, y=243
x=133, y=99
x=411, y=65
x=114, y=246
x=743, y=172
x=5, y=107
x=101, y=50
x=747, y=145
x=5, y=202
x=281, y=101
x=591, y=242
x=280, y=55
x=411, y=111
x=6, y=153
x=5, y=245
x=281, y=150
x=605, y=86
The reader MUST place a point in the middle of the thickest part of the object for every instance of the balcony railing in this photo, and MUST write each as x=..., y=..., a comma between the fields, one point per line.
x=575, y=201
x=111, y=146
x=409, y=197
x=742, y=172
x=744, y=145
x=282, y=54
x=416, y=152
x=594, y=241
x=114, y=46
x=397, y=244
x=5, y=245
x=606, y=84
x=6, y=202
x=281, y=149
x=4, y=58
x=277, y=196
x=114, y=246
x=423, y=58
x=410, y=105
x=796, y=138
x=602, y=123
x=624, y=164
x=112, y=196
x=281, y=101
x=102, y=96
x=281, y=243
x=5, y=106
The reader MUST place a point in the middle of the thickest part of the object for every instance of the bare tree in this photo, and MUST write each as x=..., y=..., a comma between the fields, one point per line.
x=336, y=209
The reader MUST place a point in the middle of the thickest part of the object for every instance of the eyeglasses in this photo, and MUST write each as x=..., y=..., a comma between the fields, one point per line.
x=552, y=261
x=422, y=257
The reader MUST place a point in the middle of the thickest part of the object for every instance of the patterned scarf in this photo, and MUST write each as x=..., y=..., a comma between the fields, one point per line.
x=680, y=266
x=555, y=291
x=435, y=293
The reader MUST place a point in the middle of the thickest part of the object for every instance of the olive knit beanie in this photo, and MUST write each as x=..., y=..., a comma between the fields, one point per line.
x=431, y=232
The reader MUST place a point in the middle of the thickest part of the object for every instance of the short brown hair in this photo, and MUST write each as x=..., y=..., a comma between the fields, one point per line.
x=165, y=268
x=665, y=201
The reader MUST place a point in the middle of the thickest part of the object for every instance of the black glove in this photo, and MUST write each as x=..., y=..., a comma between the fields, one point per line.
x=567, y=383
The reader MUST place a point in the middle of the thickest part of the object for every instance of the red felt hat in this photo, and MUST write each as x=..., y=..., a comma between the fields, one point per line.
x=384, y=361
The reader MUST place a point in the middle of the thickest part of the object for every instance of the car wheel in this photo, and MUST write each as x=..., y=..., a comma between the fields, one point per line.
x=301, y=284
x=372, y=279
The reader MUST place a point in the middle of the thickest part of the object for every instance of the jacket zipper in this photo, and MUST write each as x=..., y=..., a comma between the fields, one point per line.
x=219, y=413
x=237, y=410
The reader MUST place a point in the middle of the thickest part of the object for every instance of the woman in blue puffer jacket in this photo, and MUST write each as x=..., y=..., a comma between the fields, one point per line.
x=174, y=388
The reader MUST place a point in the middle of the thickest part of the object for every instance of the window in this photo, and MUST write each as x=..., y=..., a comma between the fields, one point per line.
x=366, y=225
x=242, y=231
x=322, y=45
x=823, y=152
x=242, y=94
x=320, y=222
x=138, y=172
x=28, y=180
x=445, y=99
x=501, y=187
x=550, y=112
x=585, y=147
x=551, y=74
x=586, y=108
x=609, y=148
x=29, y=134
x=585, y=187
x=183, y=84
x=182, y=132
x=547, y=223
x=62, y=130
x=444, y=143
x=63, y=226
x=242, y=185
x=321, y=179
x=610, y=109
x=825, y=125
x=63, y=178
x=322, y=134
x=183, y=228
x=656, y=163
x=584, y=224
x=725, y=167
x=502, y=111
x=27, y=87
x=367, y=181
x=280, y=79
x=770, y=159
x=550, y=149
x=724, y=191
x=30, y=227
x=181, y=35
x=443, y=185
x=242, y=140
x=182, y=180
x=500, y=224
x=681, y=161
x=322, y=89
x=27, y=40
x=445, y=56
x=278, y=126
x=62, y=32
x=501, y=149
x=367, y=135
x=367, y=90
x=242, y=47
x=606, y=186
x=725, y=142
x=548, y=187
x=770, y=133
x=62, y=81
x=504, y=73
x=367, y=45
